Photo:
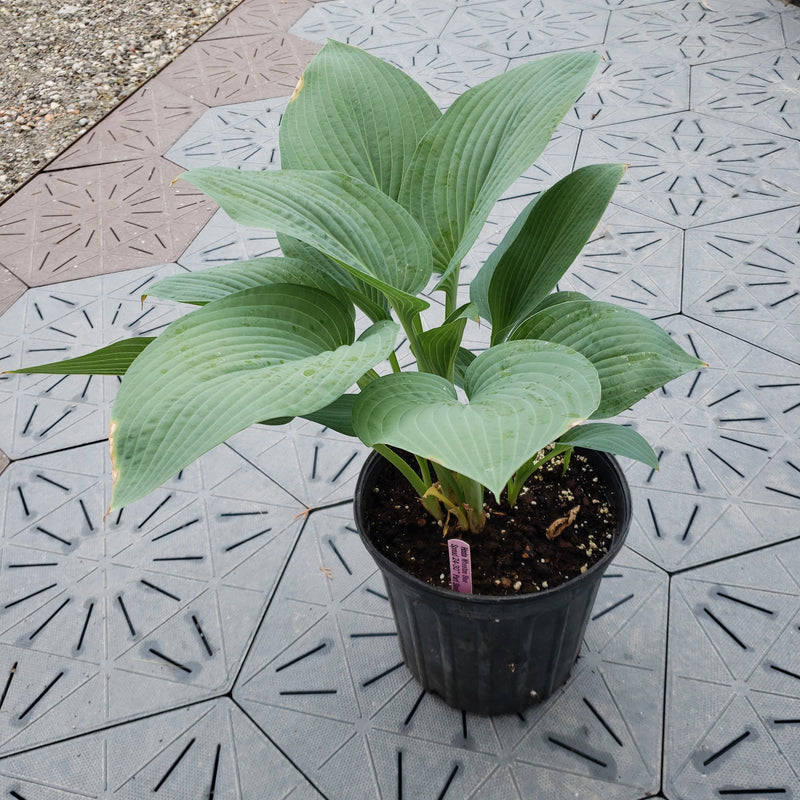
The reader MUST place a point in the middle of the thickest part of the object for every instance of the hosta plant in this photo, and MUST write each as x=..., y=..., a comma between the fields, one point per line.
x=379, y=199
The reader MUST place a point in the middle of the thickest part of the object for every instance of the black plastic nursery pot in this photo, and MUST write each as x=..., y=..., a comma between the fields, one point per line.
x=486, y=654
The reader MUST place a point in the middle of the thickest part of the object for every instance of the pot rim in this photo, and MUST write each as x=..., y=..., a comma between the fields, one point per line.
x=623, y=503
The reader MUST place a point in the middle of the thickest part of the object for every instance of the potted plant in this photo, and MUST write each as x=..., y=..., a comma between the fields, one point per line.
x=379, y=199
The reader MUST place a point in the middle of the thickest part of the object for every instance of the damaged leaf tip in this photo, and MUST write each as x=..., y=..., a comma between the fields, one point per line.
x=298, y=88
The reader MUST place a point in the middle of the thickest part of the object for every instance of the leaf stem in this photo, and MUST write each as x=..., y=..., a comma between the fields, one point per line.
x=425, y=469
x=367, y=378
x=413, y=327
x=465, y=495
x=528, y=468
x=396, y=460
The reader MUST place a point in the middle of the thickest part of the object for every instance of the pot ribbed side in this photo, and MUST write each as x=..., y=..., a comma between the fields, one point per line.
x=493, y=655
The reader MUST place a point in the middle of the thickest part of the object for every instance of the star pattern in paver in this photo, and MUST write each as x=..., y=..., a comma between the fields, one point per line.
x=726, y=440
x=91, y=220
x=698, y=32
x=744, y=278
x=53, y=323
x=689, y=169
x=222, y=71
x=443, y=67
x=630, y=260
x=372, y=23
x=761, y=90
x=144, y=125
x=209, y=750
x=107, y=616
x=621, y=92
x=733, y=700
x=242, y=136
x=223, y=241
x=527, y=28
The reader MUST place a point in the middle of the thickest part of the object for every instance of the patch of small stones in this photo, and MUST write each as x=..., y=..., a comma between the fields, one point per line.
x=67, y=63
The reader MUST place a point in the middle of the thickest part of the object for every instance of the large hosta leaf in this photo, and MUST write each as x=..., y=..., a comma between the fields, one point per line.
x=631, y=353
x=542, y=244
x=485, y=141
x=352, y=222
x=522, y=396
x=356, y=114
x=199, y=288
x=263, y=353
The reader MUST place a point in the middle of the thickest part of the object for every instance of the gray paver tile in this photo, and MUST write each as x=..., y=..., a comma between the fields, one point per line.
x=522, y=28
x=146, y=124
x=727, y=440
x=443, y=67
x=791, y=27
x=733, y=699
x=374, y=23
x=628, y=86
x=223, y=71
x=633, y=261
x=244, y=135
x=222, y=241
x=11, y=289
x=325, y=680
x=106, y=619
x=614, y=4
x=4, y=461
x=93, y=220
x=208, y=750
x=742, y=277
x=316, y=465
x=698, y=32
x=258, y=17
x=761, y=90
x=689, y=169
x=52, y=323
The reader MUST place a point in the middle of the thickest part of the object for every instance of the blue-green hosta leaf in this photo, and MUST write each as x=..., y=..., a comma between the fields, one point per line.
x=354, y=223
x=631, y=353
x=356, y=114
x=440, y=345
x=264, y=353
x=199, y=288
x=522, y=396
x=482, y=144
x=464, y=358
x=534, y=255
x=337, y=416
x=610, y=438
x=556, y=298
x=479, y=286
x=113, y=359
x=366, y=297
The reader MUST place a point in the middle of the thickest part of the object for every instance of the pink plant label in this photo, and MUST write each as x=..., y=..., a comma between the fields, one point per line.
x=460, y=566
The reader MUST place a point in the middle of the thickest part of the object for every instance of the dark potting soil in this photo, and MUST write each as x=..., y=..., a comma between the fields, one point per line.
x=512, y=555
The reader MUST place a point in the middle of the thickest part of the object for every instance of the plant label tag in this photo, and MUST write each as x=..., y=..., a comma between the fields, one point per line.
x=460, y=566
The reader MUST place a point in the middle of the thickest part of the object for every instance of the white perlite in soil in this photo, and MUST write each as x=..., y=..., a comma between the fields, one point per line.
x=66, y=64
